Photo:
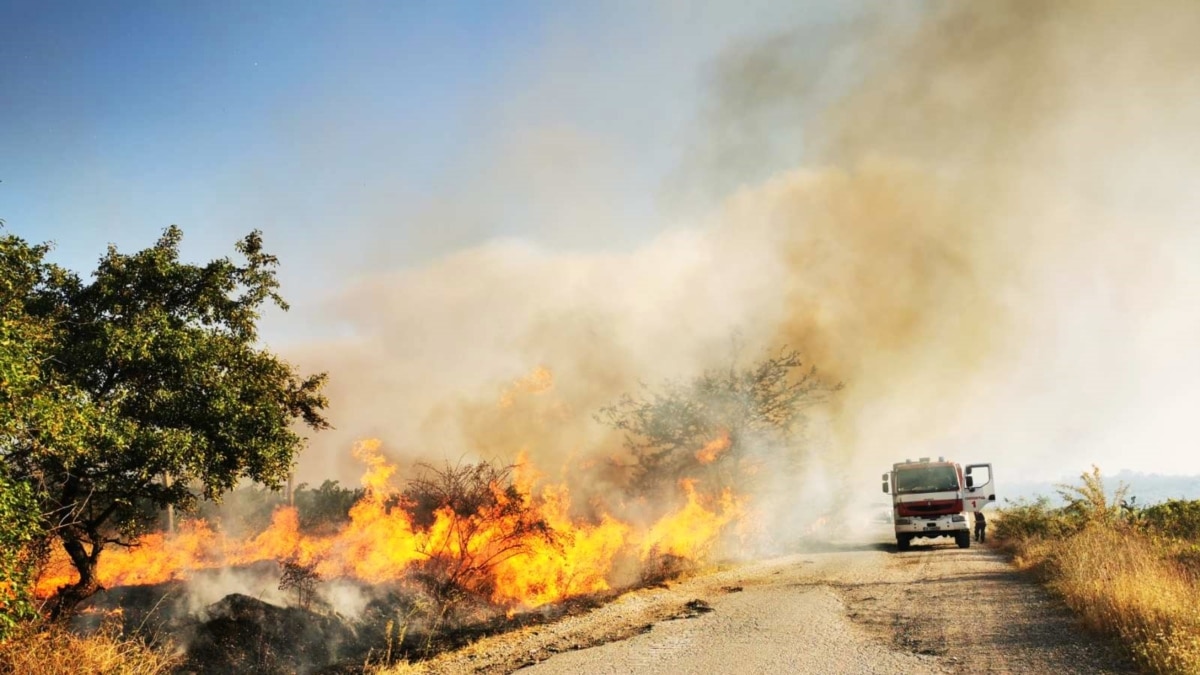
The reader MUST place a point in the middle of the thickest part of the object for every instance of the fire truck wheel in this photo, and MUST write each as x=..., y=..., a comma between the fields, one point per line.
x=963, y=539
x=903, y=541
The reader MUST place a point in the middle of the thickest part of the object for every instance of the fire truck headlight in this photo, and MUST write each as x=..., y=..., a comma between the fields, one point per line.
x=904, y=521
x=958, y=518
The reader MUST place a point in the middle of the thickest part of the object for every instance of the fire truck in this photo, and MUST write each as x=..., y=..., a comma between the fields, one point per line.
x=937, y=499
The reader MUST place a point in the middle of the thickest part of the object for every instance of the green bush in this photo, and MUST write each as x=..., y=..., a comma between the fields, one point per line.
x=327, y=507
x=1175, y=518
x=1024, y=519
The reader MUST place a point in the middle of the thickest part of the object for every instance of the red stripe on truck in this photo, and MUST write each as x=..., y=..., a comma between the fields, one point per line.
x=932, y=507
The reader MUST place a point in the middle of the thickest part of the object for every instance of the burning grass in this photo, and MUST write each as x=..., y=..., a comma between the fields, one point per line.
x=461, y=552
x=1128, y=573
x=478, y=530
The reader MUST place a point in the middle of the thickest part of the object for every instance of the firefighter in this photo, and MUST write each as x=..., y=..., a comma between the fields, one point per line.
x=980, y=527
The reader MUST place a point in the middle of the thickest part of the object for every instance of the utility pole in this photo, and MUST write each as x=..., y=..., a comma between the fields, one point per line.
x=170, y=506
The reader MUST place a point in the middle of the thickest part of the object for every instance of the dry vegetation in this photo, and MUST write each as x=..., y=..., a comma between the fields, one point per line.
x=48, y=649
x=1131, y=573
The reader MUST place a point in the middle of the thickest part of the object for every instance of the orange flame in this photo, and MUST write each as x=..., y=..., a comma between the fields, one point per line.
x=714, y=448
x=380, y=543
x=691, y=532
x=539, y=381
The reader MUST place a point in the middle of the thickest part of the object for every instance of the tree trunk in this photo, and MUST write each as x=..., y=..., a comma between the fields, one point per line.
x=69, y=597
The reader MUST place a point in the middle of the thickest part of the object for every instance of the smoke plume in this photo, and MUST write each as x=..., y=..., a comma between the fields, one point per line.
x=985, y=230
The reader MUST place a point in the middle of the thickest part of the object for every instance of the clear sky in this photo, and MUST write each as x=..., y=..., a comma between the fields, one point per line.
x=348, y=130
x=122, y=117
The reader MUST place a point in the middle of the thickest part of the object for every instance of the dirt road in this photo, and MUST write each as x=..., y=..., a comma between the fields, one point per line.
x=847, y=607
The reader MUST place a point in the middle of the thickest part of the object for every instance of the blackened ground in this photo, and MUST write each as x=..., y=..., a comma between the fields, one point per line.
x=245, y=635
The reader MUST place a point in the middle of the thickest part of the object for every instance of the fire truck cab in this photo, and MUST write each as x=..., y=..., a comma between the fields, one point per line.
x=937, y=498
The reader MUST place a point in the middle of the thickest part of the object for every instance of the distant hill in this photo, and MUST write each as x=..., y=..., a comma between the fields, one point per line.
x=1148, y=488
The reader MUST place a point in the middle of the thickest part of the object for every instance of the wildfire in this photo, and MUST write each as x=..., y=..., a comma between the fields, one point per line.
x=539, y=381
x=564, y=556
x=691, y=532
x=714, y=448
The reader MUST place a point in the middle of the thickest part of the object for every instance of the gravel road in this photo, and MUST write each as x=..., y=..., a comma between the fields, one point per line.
x=845, y=607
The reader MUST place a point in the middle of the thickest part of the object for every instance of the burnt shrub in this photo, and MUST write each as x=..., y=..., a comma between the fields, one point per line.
x=300, y=578
x=246, y=635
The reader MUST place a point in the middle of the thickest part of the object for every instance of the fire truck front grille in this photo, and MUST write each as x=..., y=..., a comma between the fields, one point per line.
x=932, y=508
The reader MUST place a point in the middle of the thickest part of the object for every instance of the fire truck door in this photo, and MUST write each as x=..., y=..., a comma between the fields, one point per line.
x=981, y=488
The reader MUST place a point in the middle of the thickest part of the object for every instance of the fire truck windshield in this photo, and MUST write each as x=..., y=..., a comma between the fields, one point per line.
x=926, y=479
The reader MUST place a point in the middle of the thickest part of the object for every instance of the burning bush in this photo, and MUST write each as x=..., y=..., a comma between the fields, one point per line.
x=477, y=518
x=717, y=426
x=479, y=531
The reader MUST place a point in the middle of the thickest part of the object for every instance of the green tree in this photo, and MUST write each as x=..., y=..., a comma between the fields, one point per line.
x=327, y=507
x=706, y=427
x=20, y=532
x=154, y=390
x=29, y=410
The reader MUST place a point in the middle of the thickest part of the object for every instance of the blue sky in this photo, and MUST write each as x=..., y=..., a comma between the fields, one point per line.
x=357, y=135
x=120, y=118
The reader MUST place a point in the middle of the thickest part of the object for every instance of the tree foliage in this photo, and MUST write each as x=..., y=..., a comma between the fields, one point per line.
x=327, y=507
x=20, y=534
x=147, y=386
x=712, y=423
x=31, y=410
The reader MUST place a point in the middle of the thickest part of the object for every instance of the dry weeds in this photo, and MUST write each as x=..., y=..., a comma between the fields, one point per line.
x=1127, y=584
x=40, y=649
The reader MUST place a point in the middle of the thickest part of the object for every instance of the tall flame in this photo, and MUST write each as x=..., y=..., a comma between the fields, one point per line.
x=691, y=532
x=714, y=448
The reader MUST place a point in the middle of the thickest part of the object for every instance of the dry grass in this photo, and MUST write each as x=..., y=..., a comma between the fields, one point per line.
x=51, y=650
x=399, y=669
x=1127, y=584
